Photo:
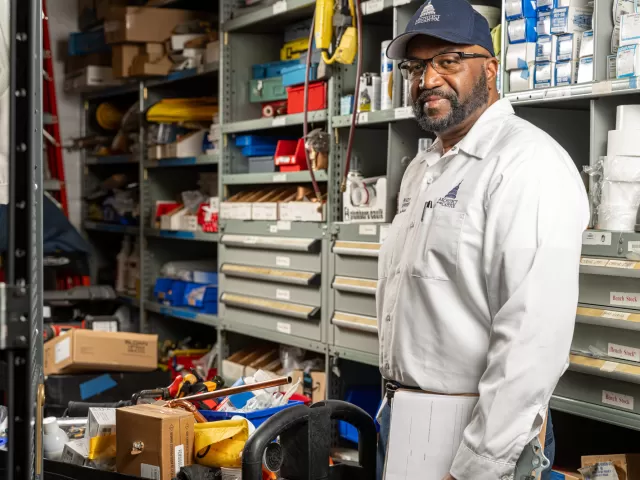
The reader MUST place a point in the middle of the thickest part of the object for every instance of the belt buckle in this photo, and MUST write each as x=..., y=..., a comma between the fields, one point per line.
x=391, y=389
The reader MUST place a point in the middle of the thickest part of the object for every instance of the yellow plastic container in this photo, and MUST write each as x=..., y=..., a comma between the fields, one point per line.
x=293, y=49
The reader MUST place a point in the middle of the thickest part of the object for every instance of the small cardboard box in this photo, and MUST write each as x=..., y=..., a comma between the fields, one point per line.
x=627, y=465
x=144, y=24
x=166, y=436
x=122, y=58
x=80, y=351
x=101, y=422
x=312, y=384
x=76, y=452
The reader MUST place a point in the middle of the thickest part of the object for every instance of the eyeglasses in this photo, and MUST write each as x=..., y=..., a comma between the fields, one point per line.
x=445, y=64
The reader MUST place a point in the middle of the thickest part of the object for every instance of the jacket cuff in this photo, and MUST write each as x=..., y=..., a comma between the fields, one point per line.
x=468, y=465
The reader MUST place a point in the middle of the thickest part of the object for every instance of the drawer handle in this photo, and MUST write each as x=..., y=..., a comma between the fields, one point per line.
x=270, y=243
x=355, y=285
x=292, y=277
x=358, y=323
x=357, y=249
x=294, y=310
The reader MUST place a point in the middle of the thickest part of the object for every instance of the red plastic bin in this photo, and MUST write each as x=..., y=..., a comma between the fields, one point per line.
x=317, y=97
x=290, y=156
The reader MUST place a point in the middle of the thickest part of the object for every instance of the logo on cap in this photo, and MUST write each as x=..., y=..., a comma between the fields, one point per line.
x=428, y=14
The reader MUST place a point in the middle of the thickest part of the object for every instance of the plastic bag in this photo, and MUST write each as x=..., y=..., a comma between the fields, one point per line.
x=595, y=173
x=220, y=444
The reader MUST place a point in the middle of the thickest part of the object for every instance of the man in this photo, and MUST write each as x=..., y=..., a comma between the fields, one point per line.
x=478, y=277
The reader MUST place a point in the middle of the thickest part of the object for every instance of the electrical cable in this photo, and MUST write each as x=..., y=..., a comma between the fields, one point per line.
x=354, y=113
x=305, y=110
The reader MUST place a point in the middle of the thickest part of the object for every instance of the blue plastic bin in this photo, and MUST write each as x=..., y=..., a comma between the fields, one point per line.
x=257, y=418
x=295, y=75
x=255, y=140
x=169, y=291
x=85, y=43
x=259, y=151
x=271, y=69
x=368, y=399
x=203, y=298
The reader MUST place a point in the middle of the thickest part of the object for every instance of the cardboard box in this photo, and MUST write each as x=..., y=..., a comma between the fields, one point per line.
x=312, y=384
x=90, y=78
x=627, y=465
x=76, y=452
x=80, y=351
x=122, y=58
x=167, y=437
x=143, y=67
x=144, y=24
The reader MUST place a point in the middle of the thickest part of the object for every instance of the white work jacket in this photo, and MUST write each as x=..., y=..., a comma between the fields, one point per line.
x=478, y=281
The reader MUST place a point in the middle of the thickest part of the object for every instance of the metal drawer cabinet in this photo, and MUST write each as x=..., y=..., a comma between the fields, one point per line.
x=353, y=287
x=272, y=283
x=605, y=393
x=609, y=291
x=605, y=367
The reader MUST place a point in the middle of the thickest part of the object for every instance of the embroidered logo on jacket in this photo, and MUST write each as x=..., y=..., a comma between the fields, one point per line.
x=405, y=204
x=450, y=199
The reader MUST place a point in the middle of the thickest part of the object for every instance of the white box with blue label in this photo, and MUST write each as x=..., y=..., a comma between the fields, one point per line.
x=544, y=75
x=630, y=29
x=571, y=20
x=546, y=48
x=520, y=9
x=568, y=47
x=522, y=30
x=587, y=45
x=520, y=56
x=623, y=7
x=521, y=80
x=585, y=70
x=566, y=73
x=543, y=24
x=628, y=61
x=545, y=5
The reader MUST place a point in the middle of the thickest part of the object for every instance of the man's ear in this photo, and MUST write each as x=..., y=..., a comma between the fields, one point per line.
x=491, y=67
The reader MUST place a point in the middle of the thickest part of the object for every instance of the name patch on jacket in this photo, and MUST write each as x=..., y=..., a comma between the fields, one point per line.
x=405, y=204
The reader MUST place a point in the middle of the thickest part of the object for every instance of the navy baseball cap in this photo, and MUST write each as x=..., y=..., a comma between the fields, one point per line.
x=453, y=21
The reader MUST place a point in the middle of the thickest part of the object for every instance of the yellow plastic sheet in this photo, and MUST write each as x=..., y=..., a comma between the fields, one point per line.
x=102, y=448
x=496, y=37
x=174, y=110
x=220, y=444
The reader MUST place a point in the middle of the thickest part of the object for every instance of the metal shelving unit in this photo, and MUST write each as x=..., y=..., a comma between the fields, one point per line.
x=311, y=285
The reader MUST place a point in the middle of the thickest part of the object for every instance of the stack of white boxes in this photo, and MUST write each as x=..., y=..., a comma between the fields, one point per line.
x=585, y=66
x=621, y=173
x=620, y=8
x=521, y=51
x=628, y=56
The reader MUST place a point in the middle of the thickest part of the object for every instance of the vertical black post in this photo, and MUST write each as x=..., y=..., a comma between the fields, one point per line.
x=20, y=296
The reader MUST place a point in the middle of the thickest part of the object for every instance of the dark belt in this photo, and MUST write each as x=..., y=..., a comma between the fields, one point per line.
x=392, y=387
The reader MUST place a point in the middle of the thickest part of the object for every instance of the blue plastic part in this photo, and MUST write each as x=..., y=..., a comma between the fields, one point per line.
x=259, y=151
x=177, y=234
x=255, y=141
x=85, y=43
x=295, y=75
x=205, y=302
x=367, y=398
x=271, y=69
x=96, y=386
x=257, y=418
x=169, y=291
x=178, y=313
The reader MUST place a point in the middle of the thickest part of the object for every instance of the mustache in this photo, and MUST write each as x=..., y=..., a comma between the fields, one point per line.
x=424, y=94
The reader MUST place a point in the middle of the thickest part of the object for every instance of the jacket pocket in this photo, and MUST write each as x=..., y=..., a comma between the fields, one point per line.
x=391, y=249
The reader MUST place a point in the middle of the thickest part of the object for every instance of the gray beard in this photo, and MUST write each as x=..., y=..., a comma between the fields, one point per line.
x=459, y=111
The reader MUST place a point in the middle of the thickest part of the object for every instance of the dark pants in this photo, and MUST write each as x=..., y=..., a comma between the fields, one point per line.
x=385, y=424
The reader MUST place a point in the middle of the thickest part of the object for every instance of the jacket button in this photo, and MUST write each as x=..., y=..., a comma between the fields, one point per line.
x=412, y=224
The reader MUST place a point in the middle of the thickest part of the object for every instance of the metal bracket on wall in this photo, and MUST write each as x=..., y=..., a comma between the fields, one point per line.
x=14, y=316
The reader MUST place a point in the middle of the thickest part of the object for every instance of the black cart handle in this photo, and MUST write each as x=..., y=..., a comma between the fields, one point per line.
x=81, y=409
x=314, y=423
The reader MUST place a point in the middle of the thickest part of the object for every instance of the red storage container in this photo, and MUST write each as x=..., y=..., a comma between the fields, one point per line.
x=317, y=97
x=290, y=155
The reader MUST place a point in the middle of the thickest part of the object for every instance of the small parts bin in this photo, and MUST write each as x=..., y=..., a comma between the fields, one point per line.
x=290, y=156
x=317, y=99
x=367, y=398
x=271, y=69
x=257, y=418
x=267, y=90
x=294, y=75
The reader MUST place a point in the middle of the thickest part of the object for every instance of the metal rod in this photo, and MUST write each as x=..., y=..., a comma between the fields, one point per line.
x=225, y=392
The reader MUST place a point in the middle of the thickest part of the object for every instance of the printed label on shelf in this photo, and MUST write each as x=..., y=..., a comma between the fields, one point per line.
x=46, y=312
x=372, y=6
x=283, y=225
x=179, y=458
x=149, y=471
x=594, y=262
x=250, y=240
x=403, y=112
x=280, y=7
x=384, y=231
x=368, y=229
x=596, y=238
x=63, y=350
x=279, y=121
x=283, y=327
x=621, y=264
x=279, y=177
x=283, y=261
x=282, y=294
x=634, y=246
x=557, y=92
x=601, y=87
x=363, y=117
x=615, y=315
x=623, y=353
x=623, y=299
x=273, y=228
x=617, y=400
x=609, y=366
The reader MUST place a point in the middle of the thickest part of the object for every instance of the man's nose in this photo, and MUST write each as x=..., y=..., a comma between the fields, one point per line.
x=430, y=78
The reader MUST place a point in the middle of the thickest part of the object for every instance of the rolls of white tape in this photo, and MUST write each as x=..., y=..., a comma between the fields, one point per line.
x=628, y=117
x=621, y=193
x=623, y=142
x=621, y=168
x=618, y=218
